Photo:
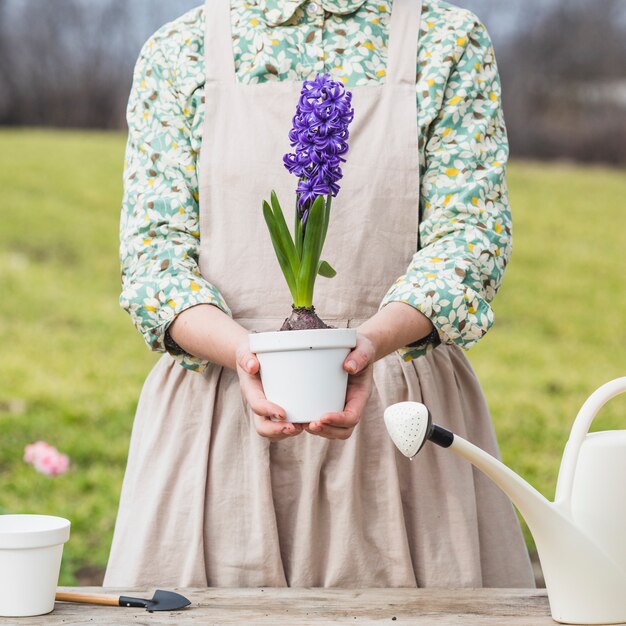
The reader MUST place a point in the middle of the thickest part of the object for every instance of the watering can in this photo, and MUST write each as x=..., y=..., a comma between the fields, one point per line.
x=581, y=536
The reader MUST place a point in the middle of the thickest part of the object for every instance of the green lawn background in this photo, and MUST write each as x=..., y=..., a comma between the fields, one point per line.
x=72, y=364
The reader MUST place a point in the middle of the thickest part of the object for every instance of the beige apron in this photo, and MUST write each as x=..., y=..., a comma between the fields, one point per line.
x=205, y=499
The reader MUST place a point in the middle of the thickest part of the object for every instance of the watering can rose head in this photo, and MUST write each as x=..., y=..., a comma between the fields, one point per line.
x=319, y=137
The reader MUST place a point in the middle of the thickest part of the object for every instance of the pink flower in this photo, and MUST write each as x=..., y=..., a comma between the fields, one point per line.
x=52, y=464
x=46, y=458
x=34, y=450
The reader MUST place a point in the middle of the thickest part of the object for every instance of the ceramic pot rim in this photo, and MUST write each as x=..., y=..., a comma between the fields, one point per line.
x=311, y=339
x=32, y=531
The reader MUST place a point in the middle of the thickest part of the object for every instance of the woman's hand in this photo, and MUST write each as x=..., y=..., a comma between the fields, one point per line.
x=247, y=366
x=360, y=366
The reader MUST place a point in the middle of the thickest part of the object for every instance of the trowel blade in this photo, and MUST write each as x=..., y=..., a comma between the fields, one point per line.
x=166, y=601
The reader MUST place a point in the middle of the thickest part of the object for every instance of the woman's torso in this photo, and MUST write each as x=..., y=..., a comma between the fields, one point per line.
x=354, y=47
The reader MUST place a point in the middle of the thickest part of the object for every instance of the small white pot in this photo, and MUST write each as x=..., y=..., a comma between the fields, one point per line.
x=302, y=370
x=31, y=548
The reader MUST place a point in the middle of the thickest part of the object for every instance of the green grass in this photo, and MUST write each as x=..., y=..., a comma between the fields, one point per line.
x=560, y=313
x=560, y=327
x=73, y=365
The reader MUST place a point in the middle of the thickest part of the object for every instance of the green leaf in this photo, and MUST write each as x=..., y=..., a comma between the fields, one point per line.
x=288, y=245
x=298, y=233
x=326, y=219
x=326, y=270
x=285, y=266
x=325, y=214
x=311, y=252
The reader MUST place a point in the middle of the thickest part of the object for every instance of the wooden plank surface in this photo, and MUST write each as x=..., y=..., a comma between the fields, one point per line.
x=275, y=606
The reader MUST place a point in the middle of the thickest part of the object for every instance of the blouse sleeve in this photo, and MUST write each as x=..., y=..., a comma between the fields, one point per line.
x=465, y=221
x=159, y=226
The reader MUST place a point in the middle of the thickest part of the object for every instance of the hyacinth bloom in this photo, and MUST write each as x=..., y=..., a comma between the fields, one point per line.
x=319, y=137
x=46, y=459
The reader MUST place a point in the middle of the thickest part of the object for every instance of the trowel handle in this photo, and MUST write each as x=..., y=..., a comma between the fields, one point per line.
x=581, y=426
x=88, y=598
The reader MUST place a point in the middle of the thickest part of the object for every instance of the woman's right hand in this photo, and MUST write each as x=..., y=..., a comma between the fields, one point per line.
x=252, y=390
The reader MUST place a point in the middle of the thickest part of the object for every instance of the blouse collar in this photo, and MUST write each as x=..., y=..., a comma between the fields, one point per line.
x=279, y=11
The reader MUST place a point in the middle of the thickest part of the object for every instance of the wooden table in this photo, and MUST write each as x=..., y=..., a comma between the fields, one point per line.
x=480, y=607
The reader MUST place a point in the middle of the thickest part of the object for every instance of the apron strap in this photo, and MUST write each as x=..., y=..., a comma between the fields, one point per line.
x=218, y=42
x=402, y=48
x=404, y=32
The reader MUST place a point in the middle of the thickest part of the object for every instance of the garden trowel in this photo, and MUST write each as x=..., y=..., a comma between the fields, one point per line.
x=161, y=601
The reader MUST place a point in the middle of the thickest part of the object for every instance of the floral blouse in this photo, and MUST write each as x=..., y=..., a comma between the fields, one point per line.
x=465, y=221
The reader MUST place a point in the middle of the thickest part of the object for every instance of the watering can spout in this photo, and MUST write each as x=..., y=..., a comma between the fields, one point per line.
x=579, y=537
x=531, y=504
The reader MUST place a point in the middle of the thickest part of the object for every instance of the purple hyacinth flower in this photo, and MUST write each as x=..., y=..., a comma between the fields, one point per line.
x=320, y=138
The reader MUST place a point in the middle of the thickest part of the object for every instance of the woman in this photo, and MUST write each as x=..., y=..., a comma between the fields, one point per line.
x=217, y=494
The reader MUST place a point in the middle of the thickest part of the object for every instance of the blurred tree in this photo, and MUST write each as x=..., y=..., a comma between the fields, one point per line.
x=562, y=64
x=69, y=62
x=563, y=79
x=62, y=64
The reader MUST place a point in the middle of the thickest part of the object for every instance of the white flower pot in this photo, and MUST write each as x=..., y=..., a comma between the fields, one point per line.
x=31, y=547
x=302, y=370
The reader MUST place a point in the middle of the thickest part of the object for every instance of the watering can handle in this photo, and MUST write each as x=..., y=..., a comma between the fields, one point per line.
x=581, y=426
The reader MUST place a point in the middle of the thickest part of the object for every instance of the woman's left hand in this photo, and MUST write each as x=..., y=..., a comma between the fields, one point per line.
x=360, y=366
